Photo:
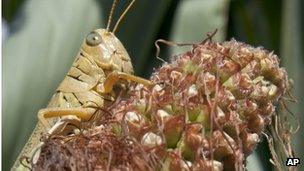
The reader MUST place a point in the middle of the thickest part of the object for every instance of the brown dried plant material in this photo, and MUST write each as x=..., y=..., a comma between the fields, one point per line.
x=97, y=149
x=207, y=110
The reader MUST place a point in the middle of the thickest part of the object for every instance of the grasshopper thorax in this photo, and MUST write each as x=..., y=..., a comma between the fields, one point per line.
x=104, y=48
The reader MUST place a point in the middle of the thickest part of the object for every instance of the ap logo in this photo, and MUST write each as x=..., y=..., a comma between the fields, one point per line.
x=292, y=161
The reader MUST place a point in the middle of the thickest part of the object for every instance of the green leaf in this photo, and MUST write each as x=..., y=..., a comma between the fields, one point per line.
x=256, y=22
x=36, y=59
x=254, y=163
x=10, y=8
x=195, y=18
x=292, y=53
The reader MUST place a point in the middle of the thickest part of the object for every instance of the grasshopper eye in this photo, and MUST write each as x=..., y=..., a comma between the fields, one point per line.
x=93, y=39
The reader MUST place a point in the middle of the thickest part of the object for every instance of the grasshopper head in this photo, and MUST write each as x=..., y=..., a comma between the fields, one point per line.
x=107, y=51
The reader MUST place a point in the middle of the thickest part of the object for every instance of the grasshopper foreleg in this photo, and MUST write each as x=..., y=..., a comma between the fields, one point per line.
x=115, y=76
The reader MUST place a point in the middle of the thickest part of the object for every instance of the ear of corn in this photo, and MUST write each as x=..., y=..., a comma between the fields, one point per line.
x=207, y=110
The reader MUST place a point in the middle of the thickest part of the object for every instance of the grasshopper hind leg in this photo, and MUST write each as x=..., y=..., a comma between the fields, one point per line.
x=83, y=114
x=65, y=125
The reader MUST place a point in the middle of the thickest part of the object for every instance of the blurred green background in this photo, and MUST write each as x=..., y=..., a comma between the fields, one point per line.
x=41, y=38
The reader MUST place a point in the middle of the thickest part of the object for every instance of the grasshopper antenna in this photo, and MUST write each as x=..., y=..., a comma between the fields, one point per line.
x=122, y=16
x=111, y=13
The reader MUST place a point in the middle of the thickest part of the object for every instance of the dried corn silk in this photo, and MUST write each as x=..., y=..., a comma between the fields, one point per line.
x=208, y=109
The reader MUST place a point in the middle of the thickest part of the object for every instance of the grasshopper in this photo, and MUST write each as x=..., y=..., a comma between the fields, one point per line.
x=101, y=63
